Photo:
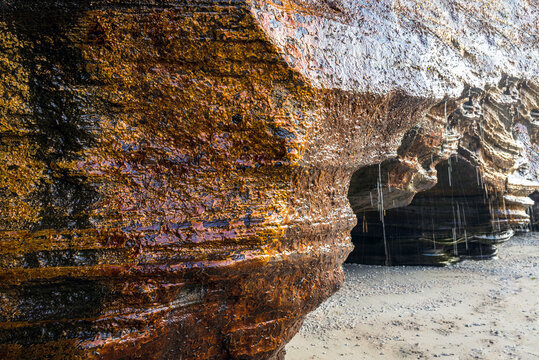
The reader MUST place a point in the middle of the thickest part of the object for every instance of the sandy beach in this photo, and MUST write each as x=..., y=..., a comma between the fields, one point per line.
x=471, y=310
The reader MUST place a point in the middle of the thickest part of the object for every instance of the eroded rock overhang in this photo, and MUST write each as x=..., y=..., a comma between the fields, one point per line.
x=424, y=48
x=483, y=163
x=176, y=174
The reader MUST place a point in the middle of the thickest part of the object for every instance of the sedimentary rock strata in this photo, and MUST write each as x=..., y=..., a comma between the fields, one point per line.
x=175, y=175
x=480, y=152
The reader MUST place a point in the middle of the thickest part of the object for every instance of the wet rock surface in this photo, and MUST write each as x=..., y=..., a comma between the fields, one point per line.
x=174, y=185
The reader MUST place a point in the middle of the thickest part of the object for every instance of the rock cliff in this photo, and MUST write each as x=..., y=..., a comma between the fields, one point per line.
x=480, y=151
x=175, y=175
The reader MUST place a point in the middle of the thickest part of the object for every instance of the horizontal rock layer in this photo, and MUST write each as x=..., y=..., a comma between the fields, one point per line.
x=480, y=151
x=175, y=183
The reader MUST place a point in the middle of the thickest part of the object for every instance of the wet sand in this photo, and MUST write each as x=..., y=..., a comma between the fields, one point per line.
x=471, y=310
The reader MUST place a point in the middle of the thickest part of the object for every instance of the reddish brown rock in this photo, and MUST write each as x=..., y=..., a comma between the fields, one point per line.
x=170, y=188
x=174, y=185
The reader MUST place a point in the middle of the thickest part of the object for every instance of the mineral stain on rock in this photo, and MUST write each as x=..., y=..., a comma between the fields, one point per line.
x=175, y=175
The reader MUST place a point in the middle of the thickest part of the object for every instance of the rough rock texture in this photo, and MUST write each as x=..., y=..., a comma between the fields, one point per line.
x=432, y=47
x=175, y=174
x=480, y=150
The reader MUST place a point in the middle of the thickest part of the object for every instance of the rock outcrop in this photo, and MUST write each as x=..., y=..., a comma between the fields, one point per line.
x=480, y=151
x=175, y=174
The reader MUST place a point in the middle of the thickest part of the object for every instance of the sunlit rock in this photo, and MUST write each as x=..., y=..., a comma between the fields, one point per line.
x=481, y=153
x=175, y=174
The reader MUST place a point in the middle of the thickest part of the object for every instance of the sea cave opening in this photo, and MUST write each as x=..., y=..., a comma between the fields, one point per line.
x=456, y=218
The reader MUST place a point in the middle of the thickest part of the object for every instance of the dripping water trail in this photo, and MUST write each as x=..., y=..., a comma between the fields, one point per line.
x=465, y=223
x=459, y=222
x=449, y=172
x=533, y=222
x=446, y=118
x=381, y=209
x=454, y=229
x=432, y=227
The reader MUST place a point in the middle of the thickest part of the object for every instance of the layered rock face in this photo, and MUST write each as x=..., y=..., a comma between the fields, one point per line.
x=483, y=163
x=175, y=175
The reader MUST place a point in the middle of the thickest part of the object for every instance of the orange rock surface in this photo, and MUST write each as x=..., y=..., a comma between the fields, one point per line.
x=172, y=187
